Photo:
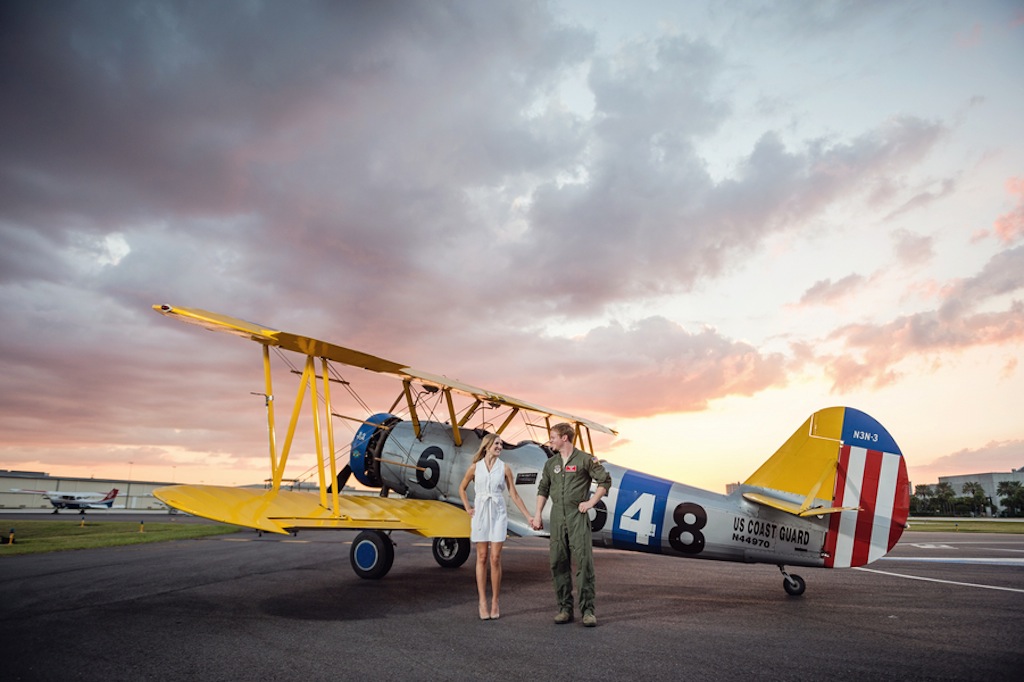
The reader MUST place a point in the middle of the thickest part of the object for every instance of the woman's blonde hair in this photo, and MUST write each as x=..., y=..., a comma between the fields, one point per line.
x=485, y=442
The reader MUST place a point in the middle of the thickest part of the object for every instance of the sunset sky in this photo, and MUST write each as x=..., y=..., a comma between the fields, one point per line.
x=696, y=222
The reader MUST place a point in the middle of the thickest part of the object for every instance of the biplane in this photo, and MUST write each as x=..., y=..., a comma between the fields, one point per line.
x=835, y=494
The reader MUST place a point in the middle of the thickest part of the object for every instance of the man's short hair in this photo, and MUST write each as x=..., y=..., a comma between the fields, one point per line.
x=564, y=429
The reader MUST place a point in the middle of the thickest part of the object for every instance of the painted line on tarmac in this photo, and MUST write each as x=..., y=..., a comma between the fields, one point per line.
x=950, y=543
x=294, y=542
x=936, y=580
x=507, y=547
x=958, y=560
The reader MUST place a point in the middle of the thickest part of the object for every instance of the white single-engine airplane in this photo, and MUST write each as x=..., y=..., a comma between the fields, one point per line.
x=836, y=494
x=81, y=501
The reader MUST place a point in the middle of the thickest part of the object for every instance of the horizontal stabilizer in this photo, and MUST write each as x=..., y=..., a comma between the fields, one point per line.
x=283, y=511
x=792, y=507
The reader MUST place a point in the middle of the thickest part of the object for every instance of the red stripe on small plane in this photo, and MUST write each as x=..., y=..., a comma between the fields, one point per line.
x=833, y=522
x=868, y=504
x=901, y=506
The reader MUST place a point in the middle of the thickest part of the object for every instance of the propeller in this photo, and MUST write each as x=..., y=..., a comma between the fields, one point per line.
x=343, y=475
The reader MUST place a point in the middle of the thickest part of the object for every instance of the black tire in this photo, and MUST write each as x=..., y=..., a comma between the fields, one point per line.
x=372, y=555
x=451, y=552
x=791, y=589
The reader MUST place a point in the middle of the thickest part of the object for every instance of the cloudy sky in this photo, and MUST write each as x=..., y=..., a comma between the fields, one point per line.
x=695, y=222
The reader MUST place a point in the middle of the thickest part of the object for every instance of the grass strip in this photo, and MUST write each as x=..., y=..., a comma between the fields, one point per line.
x=34, y=537
x=967, y=526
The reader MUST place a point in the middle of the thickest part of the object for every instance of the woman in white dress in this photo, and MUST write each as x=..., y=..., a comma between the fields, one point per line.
x=489, y=525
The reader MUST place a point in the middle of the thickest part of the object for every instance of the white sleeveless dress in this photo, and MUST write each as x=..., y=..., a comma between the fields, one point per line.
x=490, y=518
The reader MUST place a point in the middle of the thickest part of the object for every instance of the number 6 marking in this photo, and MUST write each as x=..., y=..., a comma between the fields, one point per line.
x=427, y=464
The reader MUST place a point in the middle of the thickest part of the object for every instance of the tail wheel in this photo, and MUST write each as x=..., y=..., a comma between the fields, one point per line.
x=372, y=554
x=451, y=552
x=794, y=585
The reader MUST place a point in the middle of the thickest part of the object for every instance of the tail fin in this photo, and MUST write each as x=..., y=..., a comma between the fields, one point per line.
x=843, y=463
x=110, y=496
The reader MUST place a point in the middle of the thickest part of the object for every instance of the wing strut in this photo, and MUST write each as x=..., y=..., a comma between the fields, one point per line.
x=470, y=412
x=308, y=381
x=270, y=406
x=508, y=419
x=456, y=434
x=278, y=472
x=406, y=389
x=330, y=441
x=318, y=440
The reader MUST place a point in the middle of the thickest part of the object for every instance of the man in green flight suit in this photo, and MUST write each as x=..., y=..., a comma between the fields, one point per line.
x=566, y=478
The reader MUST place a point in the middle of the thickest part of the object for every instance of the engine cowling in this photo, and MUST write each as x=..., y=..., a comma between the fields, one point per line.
x=367, y=444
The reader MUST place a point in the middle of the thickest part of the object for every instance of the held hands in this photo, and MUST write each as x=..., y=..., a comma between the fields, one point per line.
x=537, y=523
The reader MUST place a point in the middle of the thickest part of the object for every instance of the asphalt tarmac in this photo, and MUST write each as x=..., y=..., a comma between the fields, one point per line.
x=942, y=606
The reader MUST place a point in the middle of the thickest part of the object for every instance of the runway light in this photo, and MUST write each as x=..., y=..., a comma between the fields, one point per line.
x=142, y=526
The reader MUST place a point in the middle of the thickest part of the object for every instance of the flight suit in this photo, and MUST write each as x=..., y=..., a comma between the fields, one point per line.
x=566, y=485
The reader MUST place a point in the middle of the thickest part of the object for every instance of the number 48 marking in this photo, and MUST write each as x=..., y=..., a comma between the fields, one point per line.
x=637, y=519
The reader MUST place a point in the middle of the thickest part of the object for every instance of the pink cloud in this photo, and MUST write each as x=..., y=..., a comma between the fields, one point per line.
x=657, y=366
x=921, y=200
x=650, y=367
x=1009, y=227
x=826, y=292
x=912, y=249
x=993, y=457
x=874, y=350
x=1010, y=368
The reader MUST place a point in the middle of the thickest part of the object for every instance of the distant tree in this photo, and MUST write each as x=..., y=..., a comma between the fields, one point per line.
x=976, y=496
x=963, y=506
x=1011, y=496
x=946, y=496
x=921, y=501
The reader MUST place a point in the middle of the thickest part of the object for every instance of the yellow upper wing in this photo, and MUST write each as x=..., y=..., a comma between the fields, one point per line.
x=283, y=511
x=322, y=349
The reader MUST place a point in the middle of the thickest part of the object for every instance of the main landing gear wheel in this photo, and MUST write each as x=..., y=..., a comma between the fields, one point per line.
x=451, y=552
x=372, y=554
x=793, y=584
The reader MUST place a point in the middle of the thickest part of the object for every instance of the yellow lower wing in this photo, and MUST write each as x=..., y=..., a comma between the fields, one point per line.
x=284, y=511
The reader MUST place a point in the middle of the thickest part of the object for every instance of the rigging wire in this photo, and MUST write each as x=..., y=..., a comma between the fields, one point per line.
x=422, y=401
x=312, y=470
